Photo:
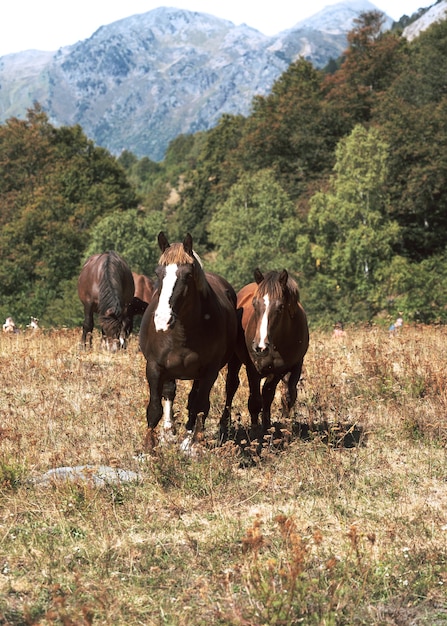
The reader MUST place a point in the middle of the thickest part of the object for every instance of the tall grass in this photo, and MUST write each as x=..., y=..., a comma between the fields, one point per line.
x=339, y=518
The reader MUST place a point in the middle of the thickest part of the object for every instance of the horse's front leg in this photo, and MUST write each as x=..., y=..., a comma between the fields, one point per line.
x=268, y=393
x=154, y=409
x=254, y=397
x=289, y=391
x=191, y=406
x=168, y=396
x=87, y=326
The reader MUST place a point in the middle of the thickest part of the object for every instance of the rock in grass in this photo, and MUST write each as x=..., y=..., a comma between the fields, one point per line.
x=98, y=475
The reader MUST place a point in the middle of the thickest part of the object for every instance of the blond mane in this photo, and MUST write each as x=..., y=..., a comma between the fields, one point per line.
x=175, y=253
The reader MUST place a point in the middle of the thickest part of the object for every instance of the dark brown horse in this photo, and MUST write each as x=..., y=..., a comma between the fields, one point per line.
x=188, y=332
x=271, y=344
x=144, y=290
x=106, y=287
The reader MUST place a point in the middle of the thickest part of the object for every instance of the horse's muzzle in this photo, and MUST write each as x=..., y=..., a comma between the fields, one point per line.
x=260, y=350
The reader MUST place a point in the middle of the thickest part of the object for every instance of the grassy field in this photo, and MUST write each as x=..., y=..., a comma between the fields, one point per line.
x=340, y=517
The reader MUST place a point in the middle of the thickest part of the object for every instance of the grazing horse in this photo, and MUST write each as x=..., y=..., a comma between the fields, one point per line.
x=144, y=290
x=188, y=332
x=106, y=287
x=272, y=342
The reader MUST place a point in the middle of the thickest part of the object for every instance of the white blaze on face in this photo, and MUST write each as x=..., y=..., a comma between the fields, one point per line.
x=264, y=324
x=163, y=312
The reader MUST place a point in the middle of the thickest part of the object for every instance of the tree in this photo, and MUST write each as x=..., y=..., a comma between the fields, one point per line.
x=208, y=184
x=293, y=130
x=54, y=185
x=133, y=234
x=413, y=116
x=255, y=227
x=352, y=235
x=371, y=63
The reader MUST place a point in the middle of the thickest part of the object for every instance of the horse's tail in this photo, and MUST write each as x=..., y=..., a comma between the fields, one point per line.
x=110, y=307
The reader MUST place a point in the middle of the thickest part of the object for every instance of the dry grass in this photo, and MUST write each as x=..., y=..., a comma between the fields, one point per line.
x=340, y=518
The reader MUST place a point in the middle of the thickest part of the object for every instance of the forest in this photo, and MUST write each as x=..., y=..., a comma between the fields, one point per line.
x=338, y=175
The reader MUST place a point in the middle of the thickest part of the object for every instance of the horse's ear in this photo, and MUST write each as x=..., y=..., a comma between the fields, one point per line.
x=162, y=241
x=187, y=244
x=283, y=278
x=258, y=275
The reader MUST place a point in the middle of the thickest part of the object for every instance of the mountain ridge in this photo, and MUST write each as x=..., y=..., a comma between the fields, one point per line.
x=141, y=81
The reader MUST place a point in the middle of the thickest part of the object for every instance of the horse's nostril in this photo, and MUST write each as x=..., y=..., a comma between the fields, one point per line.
x=260, y=349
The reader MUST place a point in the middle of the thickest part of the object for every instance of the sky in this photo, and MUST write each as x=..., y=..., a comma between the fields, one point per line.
x=51, y=24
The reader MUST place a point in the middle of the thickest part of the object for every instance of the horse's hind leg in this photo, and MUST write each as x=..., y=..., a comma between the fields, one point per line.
x=231, y=386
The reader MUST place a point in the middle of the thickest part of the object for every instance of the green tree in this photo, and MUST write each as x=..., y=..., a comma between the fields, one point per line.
x=293, y=130
x=54, y=185
x=209, y=184
x=255, y=227
x=413, y=116
x=352, y=234
x=133, y=234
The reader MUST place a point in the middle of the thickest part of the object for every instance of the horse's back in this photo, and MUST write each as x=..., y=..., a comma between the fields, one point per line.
x=92, y=276
x=89, y=278
x=144, y=287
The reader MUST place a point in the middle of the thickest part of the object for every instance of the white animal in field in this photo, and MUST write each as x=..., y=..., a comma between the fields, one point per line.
x=9, y=326
x=34, y=324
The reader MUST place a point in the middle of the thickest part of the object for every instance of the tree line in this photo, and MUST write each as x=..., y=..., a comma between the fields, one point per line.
x=339, y=175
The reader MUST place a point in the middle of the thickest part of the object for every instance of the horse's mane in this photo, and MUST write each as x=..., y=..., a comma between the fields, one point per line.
x=271, y=285
x=177, y=254
x=109, y=305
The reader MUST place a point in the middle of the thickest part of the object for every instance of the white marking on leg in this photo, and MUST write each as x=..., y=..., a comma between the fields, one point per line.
x=264, y=324
x=167, y=415
x=163, y=312
x=168, y=426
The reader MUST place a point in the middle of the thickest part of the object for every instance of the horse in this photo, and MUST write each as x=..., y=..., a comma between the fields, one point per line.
x=106, y=287
x=188, y=332
x=144, y=290
x=272, y=342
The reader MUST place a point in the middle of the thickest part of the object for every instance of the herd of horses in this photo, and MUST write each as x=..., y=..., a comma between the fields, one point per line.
x=193, y=324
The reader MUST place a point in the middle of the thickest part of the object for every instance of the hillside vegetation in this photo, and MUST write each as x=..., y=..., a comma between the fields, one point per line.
x=337, y=175
x=340, y=518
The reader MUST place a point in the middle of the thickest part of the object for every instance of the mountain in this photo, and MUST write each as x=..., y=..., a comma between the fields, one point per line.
x=435, y=13
x=139, y=82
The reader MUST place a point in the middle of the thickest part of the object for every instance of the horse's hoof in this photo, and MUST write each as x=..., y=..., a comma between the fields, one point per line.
x=187, y=442
x=150, y=441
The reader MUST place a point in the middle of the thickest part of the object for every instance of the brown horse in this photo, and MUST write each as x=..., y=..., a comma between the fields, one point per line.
x=106, y=287
x=144, y=291
x=188, y=332
x=272, y=342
